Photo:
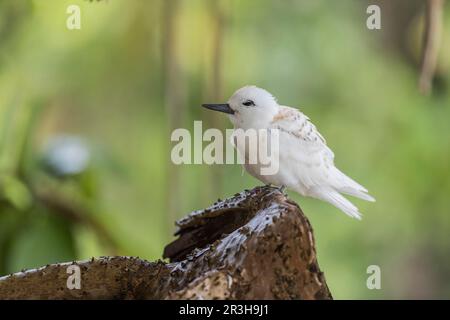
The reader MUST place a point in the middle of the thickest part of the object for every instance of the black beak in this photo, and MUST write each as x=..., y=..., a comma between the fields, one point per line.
x=221, y=107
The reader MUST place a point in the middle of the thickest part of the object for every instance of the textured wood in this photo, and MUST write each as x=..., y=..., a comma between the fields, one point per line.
x=255, y=245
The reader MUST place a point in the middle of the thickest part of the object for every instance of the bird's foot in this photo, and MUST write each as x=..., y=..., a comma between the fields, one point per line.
x=282, y=189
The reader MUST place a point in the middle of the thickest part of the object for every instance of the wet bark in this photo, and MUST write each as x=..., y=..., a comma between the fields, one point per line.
x=255, y=245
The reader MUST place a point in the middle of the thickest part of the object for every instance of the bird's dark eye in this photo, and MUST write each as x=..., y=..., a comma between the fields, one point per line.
x=248, y=103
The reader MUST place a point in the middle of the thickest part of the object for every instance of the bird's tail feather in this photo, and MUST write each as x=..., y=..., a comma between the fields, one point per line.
x=347, y=185
x=336, y=199
x=357, y=193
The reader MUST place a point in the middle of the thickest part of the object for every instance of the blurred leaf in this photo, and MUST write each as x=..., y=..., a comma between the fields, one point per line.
x=15, y=192
x=10, y=221
x=45, y=239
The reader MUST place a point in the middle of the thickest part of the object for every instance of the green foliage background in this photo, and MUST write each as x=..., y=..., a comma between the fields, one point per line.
x=107, y=84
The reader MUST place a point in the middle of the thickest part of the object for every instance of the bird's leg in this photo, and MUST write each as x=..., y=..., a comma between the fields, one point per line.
x=281, y=188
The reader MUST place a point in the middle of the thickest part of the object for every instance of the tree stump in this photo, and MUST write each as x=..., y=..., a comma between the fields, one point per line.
x=255, y=245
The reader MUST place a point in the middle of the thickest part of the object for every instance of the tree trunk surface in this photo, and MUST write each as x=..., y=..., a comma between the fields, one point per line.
x=255, y=245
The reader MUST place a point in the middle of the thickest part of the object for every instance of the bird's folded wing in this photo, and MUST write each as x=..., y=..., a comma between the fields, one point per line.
x=304, y=148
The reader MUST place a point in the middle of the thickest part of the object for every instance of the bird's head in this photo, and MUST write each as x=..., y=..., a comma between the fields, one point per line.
x=248, y=107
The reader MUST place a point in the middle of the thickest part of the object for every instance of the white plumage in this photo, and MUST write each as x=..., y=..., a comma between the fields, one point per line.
x=306, y=163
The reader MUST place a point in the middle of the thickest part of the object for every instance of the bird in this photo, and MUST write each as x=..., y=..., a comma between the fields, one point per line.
x=306, y=163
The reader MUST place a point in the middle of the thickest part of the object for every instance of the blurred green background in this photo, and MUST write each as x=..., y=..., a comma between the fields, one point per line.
x=86, y=117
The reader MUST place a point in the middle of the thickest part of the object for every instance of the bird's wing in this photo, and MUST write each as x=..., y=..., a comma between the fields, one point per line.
x=312, y=158
x=305, y=147
x=297, y=124
x=311, y=162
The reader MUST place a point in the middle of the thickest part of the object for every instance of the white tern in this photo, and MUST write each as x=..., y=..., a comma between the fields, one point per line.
x=306, y=163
